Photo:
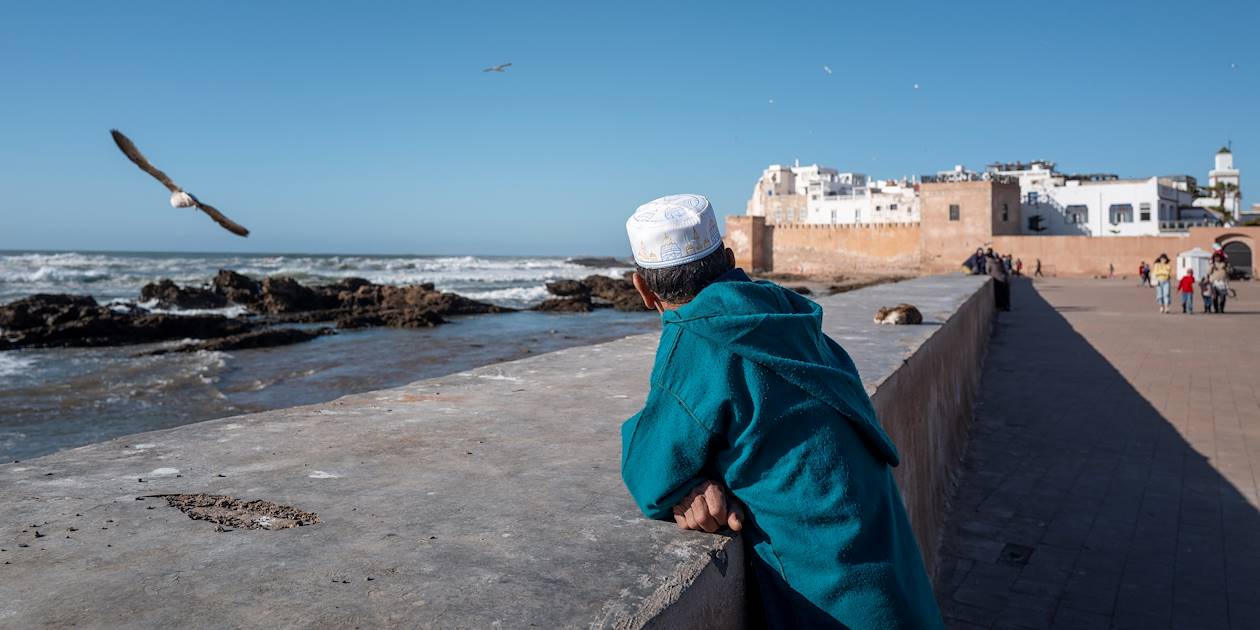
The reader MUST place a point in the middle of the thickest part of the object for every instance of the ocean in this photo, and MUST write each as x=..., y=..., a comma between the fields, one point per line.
x=51, y=399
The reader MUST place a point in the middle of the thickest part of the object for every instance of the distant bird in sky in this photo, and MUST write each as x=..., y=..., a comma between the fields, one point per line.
x=772, y=101
x=499, y=68
x=827, y=69
x=179, y=198
x=1233, y=66
x=916, y=86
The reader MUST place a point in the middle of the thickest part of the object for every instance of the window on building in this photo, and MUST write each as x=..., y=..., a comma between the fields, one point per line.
x=833, y=216
x=954, y=211
x=778, y=215
x=1120, y=213
x=878, y=208
x=892, y=206
x=1033, y=198
x=1006, y=213
x=1077, y=215
x=1145, y=214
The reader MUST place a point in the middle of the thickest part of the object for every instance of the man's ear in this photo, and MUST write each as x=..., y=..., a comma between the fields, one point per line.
x=730, y=257
x=649, y=298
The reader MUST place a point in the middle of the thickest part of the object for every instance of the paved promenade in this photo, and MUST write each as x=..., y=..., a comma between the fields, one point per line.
x=1111, y=481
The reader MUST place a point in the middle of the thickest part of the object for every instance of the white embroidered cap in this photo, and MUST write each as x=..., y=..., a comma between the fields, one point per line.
x=672, y=231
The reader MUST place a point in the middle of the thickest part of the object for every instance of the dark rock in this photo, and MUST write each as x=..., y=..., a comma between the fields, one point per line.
x=238, y=288
x=78, y=321
x=618, y=293
x=394, y=318
x=581, y=304
x=170, y=295
x=598, y=261
x=308, y=317
x=282, y=294
x=608, y=288
x=68, y=320
x=266, y=338
x=629, y=302
x=568, y=288
x=45, y=310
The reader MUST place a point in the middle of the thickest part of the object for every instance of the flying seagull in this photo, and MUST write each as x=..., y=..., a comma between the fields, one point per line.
x=499, y=68
x=179, y=198
x=827, y=69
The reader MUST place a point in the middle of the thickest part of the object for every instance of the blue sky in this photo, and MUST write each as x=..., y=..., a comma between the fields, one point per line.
x=369, y=127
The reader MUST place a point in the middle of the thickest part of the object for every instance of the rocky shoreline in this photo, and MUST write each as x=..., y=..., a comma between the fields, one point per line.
x=52, y=320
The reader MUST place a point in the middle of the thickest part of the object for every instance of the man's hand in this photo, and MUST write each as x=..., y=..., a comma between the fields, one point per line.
x=708, y=508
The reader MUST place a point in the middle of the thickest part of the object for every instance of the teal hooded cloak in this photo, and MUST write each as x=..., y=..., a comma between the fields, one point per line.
x=748, y=391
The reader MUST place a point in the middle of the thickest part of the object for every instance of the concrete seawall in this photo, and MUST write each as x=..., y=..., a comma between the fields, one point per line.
x=489, y=497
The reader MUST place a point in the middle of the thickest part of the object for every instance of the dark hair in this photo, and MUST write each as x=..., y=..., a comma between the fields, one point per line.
x=679, y=285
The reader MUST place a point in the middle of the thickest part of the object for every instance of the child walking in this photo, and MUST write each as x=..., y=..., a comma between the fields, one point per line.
x=1186, y=287
x=757, y=421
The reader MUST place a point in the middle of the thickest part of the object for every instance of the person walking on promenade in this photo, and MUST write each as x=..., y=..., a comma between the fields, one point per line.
x=1001, y=284
x=1019, y=266
x=1205, y=288
x=975, y=263
x=757, y=421
x=1144, y=274
x=1220, y=285
x=1186, y=288
x=1161, y=274
x=1111, y=270
x=1037, y=269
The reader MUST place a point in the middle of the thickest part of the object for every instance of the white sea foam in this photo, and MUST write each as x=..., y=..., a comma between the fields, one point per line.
x=110, y=276
x=520, y=294
x=235, y=310
x=12, y=363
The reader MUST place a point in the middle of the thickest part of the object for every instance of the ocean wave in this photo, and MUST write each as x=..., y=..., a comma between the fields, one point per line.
x=236, y=310
x=121, y=276
x=13, y=364
x=523, y=295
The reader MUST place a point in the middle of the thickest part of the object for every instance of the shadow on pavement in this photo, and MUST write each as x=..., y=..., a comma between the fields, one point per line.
x=1081, y=506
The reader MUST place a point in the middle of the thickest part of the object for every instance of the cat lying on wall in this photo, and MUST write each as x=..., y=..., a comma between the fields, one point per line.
x=899, y=314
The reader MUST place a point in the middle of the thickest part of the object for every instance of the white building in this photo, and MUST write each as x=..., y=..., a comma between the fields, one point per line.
x=817, y=195
x=1098, y=204
x=1224, y=183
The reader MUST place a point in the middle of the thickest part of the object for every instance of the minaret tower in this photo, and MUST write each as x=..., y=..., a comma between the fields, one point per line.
x=1224, y=182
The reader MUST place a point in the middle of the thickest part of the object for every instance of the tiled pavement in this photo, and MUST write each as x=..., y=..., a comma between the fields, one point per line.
x=1111, y=479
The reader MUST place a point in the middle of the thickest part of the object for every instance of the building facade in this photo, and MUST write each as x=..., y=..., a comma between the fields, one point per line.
x=1102, y=204
x=819, y=195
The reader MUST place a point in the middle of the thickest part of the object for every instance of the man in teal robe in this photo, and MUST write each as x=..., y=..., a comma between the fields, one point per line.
x=748, y=394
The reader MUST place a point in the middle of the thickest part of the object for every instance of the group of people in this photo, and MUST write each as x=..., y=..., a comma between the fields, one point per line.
x=1000, y=268
x=1213, y=286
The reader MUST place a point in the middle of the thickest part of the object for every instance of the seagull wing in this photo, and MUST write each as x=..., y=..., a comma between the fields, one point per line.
x=129, y=149
x=218, y=217
x=500, y=68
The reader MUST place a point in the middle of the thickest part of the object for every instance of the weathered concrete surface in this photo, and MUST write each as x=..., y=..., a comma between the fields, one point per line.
x=488, y=497
x=926, y=403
